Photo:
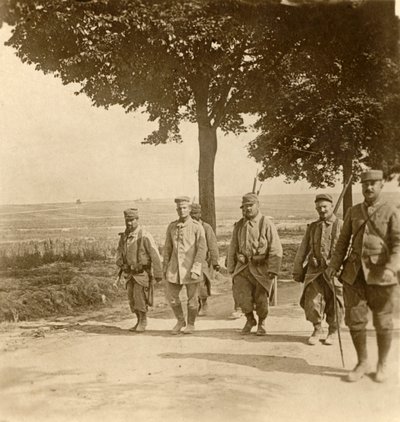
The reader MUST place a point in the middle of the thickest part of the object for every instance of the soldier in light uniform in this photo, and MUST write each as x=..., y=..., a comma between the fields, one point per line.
x=184, y=254
x=210, y=264
x=370, y=238
x=254, y=260
x=310, y=263
x=139, y=261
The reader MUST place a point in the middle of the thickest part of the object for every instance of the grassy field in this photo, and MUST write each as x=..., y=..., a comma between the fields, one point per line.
x=56, y=258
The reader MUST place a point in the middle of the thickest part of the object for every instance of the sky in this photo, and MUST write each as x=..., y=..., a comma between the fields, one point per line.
x=56, y=147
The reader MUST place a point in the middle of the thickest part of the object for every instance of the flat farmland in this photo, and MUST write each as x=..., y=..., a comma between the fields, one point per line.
x=105, y=219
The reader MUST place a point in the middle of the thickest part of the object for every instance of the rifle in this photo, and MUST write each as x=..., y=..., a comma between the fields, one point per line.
x=335, y=305
x=118, y=279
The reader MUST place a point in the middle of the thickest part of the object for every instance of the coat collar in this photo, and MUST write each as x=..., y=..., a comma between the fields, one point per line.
x=181, y=224
x=254, y=221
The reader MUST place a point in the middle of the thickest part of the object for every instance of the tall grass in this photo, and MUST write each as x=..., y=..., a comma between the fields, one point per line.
x=35, y=253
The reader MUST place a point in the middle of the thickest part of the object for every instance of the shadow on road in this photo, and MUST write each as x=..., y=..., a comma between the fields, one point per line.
x=265, y=363
x=217, y=333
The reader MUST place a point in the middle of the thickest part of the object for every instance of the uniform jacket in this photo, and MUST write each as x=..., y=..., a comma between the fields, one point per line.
x=375, y=247
x=184, y=251
x=212, y=253
x=316, y=249
x=148, y=255
x=255, y=237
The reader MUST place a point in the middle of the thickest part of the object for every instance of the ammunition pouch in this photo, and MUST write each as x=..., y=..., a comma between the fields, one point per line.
x=139, y=269
x=258, y=259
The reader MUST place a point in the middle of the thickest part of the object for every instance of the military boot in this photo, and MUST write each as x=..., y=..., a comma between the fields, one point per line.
x=203, y=309
x=261, y=327
x=178, y=311
x=137, y=321
x=331, y=337
x=316, y=335
x=384, y=340
x=142, y=322
x=192, y=313
x=250, y=323
x=360, y=343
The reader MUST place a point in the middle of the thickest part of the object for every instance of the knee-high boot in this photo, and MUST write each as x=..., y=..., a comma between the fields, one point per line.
x=384, y=340
x=360, y=343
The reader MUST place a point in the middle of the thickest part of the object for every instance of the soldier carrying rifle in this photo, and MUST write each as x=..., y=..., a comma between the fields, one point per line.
x=139, y=262
x=254, y=260
x=311, y=261
x=369, y=249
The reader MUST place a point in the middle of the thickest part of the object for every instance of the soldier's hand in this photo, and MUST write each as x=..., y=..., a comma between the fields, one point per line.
x=387, y=276
x=126, y=267
x=194, y=276
x=216, y=267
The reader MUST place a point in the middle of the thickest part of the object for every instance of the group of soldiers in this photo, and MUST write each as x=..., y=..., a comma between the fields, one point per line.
x=347, y=267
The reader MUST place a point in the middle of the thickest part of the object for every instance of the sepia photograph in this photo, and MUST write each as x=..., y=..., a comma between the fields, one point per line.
x=199, y=210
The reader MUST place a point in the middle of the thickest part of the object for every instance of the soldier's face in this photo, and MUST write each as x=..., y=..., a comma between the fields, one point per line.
x=249, y=211
x=324, y=209
x=371, y=189
x=183, y=210
x=131, y=223
x=195, y=215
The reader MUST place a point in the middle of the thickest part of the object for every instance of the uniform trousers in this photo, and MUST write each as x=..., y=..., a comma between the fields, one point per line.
x=136, y=296
x=249, y=293
x=319, y=301
x=192, y=292
x=360, y=296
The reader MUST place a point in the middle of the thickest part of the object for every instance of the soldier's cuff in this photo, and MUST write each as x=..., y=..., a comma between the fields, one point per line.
x=196, y=268
x=391, y=268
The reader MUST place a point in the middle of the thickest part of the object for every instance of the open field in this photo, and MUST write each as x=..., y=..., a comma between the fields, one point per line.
x=105, y=219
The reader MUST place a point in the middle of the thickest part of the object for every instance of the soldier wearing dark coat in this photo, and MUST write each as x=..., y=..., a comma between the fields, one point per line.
x=210, y=264
x=369, y=249
x=254, y=260
x=311, y=261
x=139, y=262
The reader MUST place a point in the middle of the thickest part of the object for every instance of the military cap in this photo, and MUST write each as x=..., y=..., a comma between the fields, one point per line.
x=180, y=199
x=371, y=175
x=131, y=213
x=249, y=198
x=195, y=209
x=323, y=197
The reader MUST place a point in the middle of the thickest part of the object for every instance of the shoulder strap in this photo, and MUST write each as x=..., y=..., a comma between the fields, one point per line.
x=372, y=224
x=261, y=229
x=313, y=226
x=139, y=245
x=368, y=218
x=335, y=226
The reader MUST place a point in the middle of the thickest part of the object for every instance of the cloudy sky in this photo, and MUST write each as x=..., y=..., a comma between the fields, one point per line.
x=56, y=147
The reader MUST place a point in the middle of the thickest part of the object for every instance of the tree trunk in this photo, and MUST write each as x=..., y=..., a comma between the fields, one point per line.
x=348, y=196
x=208, y=150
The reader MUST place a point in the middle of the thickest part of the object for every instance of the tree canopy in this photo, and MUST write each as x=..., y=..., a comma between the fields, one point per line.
x=210, y=62
x=337, y=106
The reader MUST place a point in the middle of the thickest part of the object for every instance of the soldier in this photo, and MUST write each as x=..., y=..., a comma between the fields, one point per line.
x=254, y=259
x=310, y=263
x=139, y=261
x=211, y=263
x=184, y=254
x=370, y=238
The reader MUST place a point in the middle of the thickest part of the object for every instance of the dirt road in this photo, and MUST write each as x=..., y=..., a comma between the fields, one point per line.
x=90, y=368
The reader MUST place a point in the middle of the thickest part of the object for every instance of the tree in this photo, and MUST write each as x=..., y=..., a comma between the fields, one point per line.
x=336, y=103
x=176, y=60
